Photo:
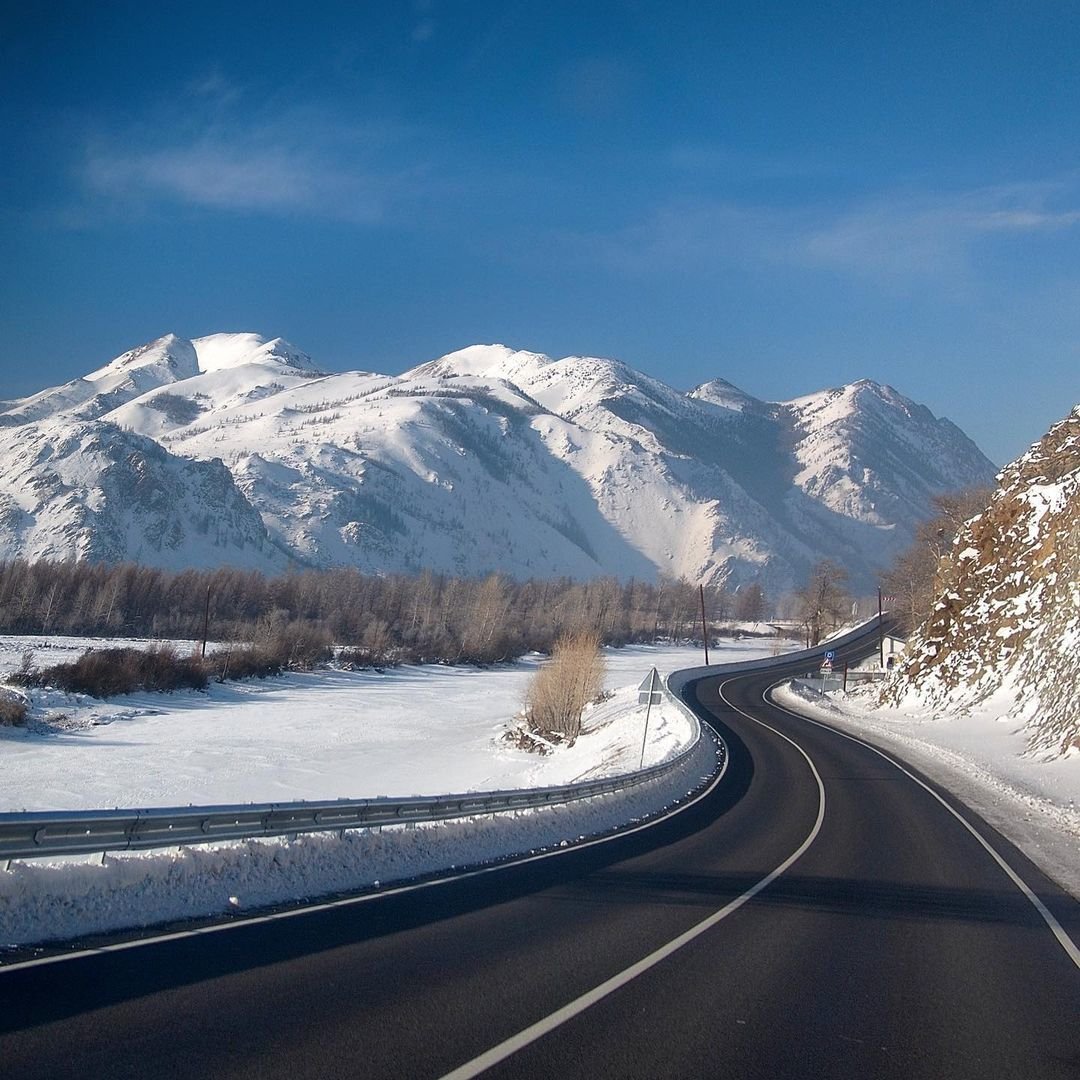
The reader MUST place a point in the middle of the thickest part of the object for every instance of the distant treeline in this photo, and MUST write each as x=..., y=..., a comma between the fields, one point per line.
x=379, y=619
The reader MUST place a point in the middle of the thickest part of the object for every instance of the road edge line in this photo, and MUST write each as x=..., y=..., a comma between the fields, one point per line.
x=349, y=901
x=1055, y=927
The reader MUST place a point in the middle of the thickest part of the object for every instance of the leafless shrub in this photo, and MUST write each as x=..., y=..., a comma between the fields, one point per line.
x=108, y=672
x=299, y=646
x=244, y=662
x=26, y=674
x=561, y=689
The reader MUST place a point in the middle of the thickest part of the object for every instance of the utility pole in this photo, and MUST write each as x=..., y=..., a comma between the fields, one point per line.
x=880, y=632
x=206, y=622
x=704, y=624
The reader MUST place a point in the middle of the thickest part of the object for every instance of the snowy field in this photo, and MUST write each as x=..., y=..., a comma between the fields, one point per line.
x=979, y=757
x=323, y=735
x=415, y=730
x=404, y=731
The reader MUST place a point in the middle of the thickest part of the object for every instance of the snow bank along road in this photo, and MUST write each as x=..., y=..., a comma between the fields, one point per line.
x=819, y=913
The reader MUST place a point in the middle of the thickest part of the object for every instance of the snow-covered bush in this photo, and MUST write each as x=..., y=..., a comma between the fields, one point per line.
x=13, y=709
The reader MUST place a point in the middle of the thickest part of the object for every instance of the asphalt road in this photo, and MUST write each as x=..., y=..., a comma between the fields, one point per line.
x=881, y=940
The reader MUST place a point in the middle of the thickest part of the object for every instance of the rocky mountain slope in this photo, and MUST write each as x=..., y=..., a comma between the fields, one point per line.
x=487, y=458
x=1007, y=626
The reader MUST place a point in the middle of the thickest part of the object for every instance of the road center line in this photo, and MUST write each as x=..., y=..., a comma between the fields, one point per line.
x=572, y=1009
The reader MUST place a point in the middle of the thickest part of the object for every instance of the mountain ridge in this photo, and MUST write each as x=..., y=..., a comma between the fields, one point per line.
x=492, y=458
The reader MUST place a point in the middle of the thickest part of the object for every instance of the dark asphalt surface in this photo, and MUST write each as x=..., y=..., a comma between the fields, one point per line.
x=894, y=947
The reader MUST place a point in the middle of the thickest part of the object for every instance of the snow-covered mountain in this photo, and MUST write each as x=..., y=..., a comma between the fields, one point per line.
x=1007, y=626
x=487, y=458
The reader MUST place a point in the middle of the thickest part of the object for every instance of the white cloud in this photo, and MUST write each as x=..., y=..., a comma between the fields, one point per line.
x=903, y=236
x=901, y=240
x=690, y=234
x=226, y=177
x=299, y=162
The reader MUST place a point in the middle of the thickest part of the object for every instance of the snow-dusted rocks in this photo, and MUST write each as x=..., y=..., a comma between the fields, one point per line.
x=1007, y=625
x=488, y=458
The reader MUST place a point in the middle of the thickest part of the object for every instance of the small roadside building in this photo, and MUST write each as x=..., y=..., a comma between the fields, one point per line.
x=887, y=657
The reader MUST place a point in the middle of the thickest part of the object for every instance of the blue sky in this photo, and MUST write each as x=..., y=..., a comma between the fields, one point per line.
x=789, y=196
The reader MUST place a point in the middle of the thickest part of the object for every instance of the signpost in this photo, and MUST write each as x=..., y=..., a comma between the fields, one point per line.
x=826, y=667
x=648, y=695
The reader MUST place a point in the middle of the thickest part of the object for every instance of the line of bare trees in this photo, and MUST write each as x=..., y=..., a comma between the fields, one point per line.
x=382, y=620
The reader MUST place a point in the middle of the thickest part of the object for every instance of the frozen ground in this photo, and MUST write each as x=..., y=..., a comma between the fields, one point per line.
x=1032, y=801
x=54, y=900
x=323, y=735
x=412, y=730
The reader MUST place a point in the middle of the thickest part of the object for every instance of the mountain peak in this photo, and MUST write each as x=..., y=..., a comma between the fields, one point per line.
x=219, y=351
x=726, y=395
x=491, y=361
x=863, y=396
x=166, y=359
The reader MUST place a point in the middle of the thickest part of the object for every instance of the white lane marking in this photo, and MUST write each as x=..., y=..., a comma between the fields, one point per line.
x=542, y=1027
x=348, y=901
x=1056, y=928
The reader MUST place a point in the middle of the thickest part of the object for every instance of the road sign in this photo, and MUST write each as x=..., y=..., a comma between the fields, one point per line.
x=830, y=655
x=648, y=694
x=826, y=665
x=649, y=690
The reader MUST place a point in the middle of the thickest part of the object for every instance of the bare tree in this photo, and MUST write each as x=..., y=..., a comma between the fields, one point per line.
x=823, y=600
x=914, y=578
x=750, y=602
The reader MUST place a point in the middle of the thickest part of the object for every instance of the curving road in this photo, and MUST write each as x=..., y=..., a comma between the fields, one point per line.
x=819, y=913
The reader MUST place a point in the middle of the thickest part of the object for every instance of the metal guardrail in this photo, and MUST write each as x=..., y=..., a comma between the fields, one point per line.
x=87, y=832
x=678, y=680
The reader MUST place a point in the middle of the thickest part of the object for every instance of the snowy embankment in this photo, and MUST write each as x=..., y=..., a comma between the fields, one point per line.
x=323, y=735
x=1034, y=802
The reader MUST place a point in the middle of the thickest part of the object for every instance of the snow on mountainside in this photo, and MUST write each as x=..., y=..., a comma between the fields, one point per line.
x=1008, y=623
x=491, y=458
x=92, y=491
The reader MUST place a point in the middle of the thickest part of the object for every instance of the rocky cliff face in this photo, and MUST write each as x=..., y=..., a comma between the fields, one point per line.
x=1008, y=621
